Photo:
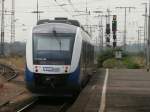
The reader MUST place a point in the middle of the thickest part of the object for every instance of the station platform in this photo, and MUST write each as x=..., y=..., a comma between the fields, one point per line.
x=115, y=90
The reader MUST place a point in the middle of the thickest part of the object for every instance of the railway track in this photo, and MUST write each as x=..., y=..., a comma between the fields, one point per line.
x=46, y=105
x=8, y=72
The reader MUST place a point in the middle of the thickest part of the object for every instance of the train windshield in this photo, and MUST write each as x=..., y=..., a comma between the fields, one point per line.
x=49, y=49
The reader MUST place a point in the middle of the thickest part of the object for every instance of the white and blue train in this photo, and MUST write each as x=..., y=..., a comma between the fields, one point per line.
x=59, y=57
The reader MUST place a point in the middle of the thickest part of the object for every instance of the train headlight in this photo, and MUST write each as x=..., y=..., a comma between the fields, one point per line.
x=66, y=69
x=36, y=70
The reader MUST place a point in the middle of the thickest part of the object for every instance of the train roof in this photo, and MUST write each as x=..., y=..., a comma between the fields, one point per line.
x=50, y=27
x=60, y=20
x=63, y=20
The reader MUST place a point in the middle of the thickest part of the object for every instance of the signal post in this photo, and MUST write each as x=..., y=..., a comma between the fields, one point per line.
x=114, y=30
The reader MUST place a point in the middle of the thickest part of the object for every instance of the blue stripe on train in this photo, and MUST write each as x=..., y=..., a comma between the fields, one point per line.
x=28, y=75
x=74, y=77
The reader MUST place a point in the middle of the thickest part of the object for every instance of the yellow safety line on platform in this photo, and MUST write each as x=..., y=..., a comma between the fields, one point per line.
x=103, y=97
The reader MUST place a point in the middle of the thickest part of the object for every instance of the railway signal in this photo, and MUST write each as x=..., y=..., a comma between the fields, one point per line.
x=107, y=35
x=108, y=29
x=107, y=39
x=114, y=37
x=114, y=23
x=114, y=44
x=114, y=29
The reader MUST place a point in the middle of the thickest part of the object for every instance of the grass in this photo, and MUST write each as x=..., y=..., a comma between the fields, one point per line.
x=104, y=55
x=18, y=62
x=131, y=61
x=126, y=62
x=113, y=63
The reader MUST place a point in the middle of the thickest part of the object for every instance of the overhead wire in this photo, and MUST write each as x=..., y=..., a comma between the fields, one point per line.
x=86, y=12
x=76, y=10
x=73, y=7
x=66, y=10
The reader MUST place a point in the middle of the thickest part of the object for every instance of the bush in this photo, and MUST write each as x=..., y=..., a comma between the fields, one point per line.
x=130, y=63
x=113, y=63
x=104, y=55
x=130, y=60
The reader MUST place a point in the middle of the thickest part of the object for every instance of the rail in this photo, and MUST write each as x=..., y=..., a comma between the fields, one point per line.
x=25, y=107
x=8, y=72
x=34, y=106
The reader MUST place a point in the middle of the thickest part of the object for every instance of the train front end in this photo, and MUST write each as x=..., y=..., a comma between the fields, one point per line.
x=51, y=67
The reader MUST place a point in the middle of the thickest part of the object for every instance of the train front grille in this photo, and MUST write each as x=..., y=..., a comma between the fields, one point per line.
x=50, y=80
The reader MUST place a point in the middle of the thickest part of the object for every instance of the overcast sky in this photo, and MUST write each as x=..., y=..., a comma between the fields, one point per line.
x=25, y=20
